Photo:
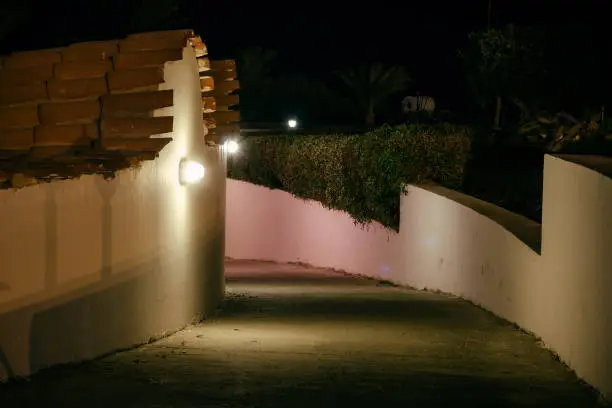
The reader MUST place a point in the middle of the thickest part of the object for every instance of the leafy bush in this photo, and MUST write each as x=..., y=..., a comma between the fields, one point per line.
x=363, y=175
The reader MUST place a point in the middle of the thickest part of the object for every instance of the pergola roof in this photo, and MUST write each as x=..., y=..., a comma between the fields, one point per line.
x=88, y=108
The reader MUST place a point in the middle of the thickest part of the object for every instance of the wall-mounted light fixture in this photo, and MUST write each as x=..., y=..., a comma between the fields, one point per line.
x=190, y=172
x=231, y=146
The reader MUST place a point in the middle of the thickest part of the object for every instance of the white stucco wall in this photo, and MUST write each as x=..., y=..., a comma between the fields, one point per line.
x=577, y=263
x=447, y=245
x=89, y=266
x=464, y=246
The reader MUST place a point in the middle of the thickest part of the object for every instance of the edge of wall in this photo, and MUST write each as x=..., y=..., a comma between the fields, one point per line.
x=599, y=164
x=526, y=230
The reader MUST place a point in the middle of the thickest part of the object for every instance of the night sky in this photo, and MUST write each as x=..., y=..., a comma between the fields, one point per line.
x=423, y=35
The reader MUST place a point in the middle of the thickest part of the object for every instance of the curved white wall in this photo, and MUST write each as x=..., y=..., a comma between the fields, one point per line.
x=577, y=255
x=464, y=246
x=450, y=247
x=89, y=266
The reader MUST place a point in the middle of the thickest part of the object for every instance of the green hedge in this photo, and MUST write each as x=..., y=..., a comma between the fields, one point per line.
x=363, y=174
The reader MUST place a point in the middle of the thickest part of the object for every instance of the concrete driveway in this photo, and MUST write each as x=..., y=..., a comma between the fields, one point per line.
x=290, y=336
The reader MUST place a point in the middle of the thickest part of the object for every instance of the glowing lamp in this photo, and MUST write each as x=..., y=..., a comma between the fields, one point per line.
x=292, y=123
x=231, y=146
x=190, y=172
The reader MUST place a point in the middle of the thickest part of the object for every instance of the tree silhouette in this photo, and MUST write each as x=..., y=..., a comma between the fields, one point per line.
x=371, y=85
x=502, y=65
x=257, y=88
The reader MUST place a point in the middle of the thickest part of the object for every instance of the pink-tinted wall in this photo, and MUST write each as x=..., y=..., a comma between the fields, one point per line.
x=273, y=225
x=552, y=279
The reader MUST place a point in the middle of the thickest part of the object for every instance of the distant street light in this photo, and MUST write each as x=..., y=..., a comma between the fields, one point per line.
x=292, y=123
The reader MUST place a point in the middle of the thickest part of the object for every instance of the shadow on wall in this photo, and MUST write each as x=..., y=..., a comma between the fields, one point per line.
x=55, y=327
x=90, y=310
x=5, y=366
x=110, y=314
x=79, y=324
x=107, y=190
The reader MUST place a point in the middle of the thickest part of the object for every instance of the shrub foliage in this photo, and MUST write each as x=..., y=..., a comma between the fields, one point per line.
x=363, y=175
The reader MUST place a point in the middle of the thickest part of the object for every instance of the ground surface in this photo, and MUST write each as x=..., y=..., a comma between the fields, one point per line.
x=290, y=336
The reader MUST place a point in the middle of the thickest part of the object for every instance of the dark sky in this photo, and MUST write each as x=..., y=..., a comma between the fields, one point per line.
x=398, y=32
x=307, y=29
x=375, y=30
x=424, y=35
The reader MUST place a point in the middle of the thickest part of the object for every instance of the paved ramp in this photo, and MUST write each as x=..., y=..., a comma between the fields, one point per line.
x=290, y=336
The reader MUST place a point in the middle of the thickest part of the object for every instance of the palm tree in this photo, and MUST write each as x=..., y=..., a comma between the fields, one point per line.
x=371, y=85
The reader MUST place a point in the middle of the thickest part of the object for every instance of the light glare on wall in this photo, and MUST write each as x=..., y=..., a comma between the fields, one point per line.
x=190, y=172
